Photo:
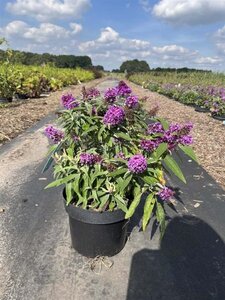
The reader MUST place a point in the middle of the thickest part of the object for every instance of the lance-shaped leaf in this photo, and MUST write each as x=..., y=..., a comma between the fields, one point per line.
x=173, y=166
x=189, y=151
x=134, y=203
x=148, y=208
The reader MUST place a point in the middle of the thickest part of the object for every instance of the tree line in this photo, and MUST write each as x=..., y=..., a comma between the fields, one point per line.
x=60, y=61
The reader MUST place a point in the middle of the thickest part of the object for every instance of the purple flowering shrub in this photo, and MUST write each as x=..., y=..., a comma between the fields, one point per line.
x=109, y=157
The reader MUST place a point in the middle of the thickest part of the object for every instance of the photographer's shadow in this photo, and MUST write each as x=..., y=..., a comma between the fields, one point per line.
x=190, y=265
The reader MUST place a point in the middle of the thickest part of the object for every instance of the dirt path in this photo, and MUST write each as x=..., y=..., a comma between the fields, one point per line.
x=209, y=134
x=23, y=114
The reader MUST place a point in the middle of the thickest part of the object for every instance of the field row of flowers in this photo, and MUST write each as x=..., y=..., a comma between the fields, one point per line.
x=31, y=81
x=205, y=98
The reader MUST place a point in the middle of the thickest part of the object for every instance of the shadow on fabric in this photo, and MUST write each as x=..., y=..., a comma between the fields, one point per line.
x=190, y=265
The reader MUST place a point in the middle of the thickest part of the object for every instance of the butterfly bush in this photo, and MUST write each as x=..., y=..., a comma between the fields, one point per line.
x=68, y=101
x=114, y=115
x=108, y=156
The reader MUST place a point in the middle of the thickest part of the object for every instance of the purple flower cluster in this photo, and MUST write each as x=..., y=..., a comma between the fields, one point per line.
x=69, y=102
x=123, y=89
x=131, y=101
x=165, y=193
x=54, y=134
x=92, y=93
x=155, y=128
x=149, y=145
x=89, y=159
x=110, y=95
x=137, y=164
x=114, y=115
x=176, y=134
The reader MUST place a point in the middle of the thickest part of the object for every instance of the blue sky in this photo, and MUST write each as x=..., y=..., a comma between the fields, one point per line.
x=166, y=33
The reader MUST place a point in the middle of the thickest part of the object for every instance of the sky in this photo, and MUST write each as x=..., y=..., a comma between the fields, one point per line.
x=165, y=33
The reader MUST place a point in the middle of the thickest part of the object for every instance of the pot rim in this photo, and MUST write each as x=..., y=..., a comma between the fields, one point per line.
x=91, y=216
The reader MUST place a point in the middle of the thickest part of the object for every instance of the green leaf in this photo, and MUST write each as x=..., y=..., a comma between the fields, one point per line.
x=149, y=180
x=160, y=150
x=148, y=208
x=117, y=172
x=50, y=159
x=164, y=123
x=120, y=202
x=100, y=132
x=125, y=182
x=61, y=181
x=189, y=151
x=123, y=136
x=173, y=166
x=134, y=204
x=160, y=216
x=68, y=192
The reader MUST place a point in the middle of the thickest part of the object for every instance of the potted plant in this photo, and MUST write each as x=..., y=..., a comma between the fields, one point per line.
x=110, y=160
x=218, y=108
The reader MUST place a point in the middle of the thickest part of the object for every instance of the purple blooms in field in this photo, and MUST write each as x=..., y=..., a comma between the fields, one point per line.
x=69, y=102
x=137, y=164
x=114, y=115
x=54, y=134
x=92, y=93
x=89, y=159
x=123, y=89
x=165, y=193
x=110, y=95
x=131, y=101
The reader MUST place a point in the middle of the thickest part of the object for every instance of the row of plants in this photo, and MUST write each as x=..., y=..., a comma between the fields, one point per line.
x=111, y=156
x=31, y=81
x=205, y=98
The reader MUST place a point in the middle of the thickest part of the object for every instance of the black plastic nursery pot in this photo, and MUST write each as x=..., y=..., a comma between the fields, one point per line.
x=220, y=118
x=96, y=233
x=201, y=109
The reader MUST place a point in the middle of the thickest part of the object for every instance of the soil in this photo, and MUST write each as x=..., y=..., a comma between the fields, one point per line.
x=208, y=133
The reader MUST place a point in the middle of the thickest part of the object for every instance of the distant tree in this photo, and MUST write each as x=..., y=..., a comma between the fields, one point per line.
x=99, y=68
x=135, y=65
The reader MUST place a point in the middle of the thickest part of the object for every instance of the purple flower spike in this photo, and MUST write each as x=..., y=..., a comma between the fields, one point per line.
x=155, y=128
x=89, y=159
x=131, y=101
x=186, y=140
x=137, y=164
x=166, y=193
x=110, y=95
x=54, y=134
x=114, y=115
x=123, y=89
x=69, y=102
x=148, y=145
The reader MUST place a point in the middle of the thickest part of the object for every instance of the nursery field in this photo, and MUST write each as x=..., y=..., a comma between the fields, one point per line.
x=15, y=117
x=203, y=90
x=208, y=133
x=22, y=82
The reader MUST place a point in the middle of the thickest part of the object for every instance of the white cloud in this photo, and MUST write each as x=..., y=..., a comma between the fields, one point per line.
x=208, y=60
x=191, y=12
x=219, y=39
x=45, y=10
x=76, y=27
x=45, y=33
